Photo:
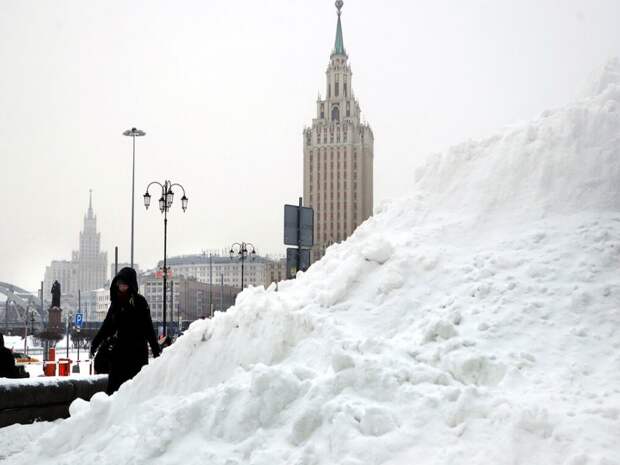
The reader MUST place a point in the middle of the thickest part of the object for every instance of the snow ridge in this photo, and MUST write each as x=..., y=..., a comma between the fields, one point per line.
x=565, y=161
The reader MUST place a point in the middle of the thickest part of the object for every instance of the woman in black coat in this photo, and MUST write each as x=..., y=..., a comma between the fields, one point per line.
x=129, y=324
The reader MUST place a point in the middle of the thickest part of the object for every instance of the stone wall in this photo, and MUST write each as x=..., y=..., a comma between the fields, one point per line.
x=27, y=400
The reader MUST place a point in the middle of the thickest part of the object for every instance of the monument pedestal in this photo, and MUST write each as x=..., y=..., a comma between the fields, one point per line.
x=55, y=319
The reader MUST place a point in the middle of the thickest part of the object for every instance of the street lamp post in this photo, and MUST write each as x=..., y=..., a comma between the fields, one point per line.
x=6, y=315
x=133, y=133
x=26, y=330
x=242, y=249
x=6, y=320
x=69, y=315
x=165, y=202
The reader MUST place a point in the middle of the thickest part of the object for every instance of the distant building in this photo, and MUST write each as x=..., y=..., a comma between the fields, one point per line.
x=258, y=271
x=87, y=269
x=66, y=273
x=276, y=271
x=102, y=299
x=151, y=287
x=187, y=298
x=338, y=156
x=88, y=305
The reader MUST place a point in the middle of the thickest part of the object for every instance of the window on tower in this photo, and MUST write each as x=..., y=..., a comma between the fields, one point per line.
x=348, y=108
x=337, y=89
x=335, y=114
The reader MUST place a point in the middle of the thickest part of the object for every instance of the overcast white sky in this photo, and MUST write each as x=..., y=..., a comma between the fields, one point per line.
x=223, y=90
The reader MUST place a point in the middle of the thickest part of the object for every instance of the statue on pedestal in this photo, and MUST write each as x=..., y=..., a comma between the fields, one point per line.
x=54, y=329
x=56, y=294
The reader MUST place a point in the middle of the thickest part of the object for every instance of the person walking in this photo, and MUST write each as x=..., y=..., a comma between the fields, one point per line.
x=126, y=331
x=7, y=361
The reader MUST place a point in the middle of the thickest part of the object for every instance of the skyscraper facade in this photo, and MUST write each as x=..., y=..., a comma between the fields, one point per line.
x=91, y=262
x=338, y=156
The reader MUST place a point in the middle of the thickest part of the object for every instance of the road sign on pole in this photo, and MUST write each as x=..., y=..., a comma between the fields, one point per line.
x=298, y=231
x=78, y=320
x=296, y=260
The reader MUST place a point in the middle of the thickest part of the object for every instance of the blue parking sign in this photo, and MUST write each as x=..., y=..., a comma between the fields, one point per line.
x=78, y=320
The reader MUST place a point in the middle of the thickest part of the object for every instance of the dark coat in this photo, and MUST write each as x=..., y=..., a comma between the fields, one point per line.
x=7, y=363
x=129, y=320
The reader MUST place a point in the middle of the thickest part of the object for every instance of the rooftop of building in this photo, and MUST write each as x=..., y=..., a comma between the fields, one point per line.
x=204, y=259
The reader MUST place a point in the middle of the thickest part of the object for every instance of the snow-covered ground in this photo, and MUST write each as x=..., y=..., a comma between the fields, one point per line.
x=476, y=322
x=35, y=370
x=16, y=343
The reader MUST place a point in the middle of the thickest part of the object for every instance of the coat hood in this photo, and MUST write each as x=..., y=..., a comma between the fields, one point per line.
x=129, y=277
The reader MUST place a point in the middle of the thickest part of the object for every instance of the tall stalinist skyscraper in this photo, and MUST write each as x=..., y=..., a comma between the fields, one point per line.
x=338, y=156
x=91, y=263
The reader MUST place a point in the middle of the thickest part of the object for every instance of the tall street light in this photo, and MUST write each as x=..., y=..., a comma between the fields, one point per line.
x=133, y=133
x=165, y=202
x=242, y=249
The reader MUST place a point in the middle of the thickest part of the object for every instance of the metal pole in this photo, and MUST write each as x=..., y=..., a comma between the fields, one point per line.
x=242, y=261
x=115, y=261
x=67, y=333
x=211, y=283
x=45, y=343
x=133, y=183
x=165, y=268
x=79, y=311
x=172, y=301
x=299, y=235
x=26, y=332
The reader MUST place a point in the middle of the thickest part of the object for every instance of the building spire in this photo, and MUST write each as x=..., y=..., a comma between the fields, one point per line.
x=339, y=45
x=90, y=203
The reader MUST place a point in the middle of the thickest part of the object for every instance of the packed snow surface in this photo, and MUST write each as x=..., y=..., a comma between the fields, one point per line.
x=477, y=322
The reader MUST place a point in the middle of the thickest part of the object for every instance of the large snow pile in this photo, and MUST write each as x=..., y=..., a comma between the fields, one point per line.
x=475, y=323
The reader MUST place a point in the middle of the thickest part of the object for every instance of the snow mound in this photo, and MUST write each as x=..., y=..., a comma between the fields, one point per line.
x=563, y=162
x=476, y=322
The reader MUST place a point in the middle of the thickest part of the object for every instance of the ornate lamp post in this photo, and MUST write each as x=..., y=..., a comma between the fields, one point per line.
x=133, y=133
x=165, y=202
x=242, y=249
